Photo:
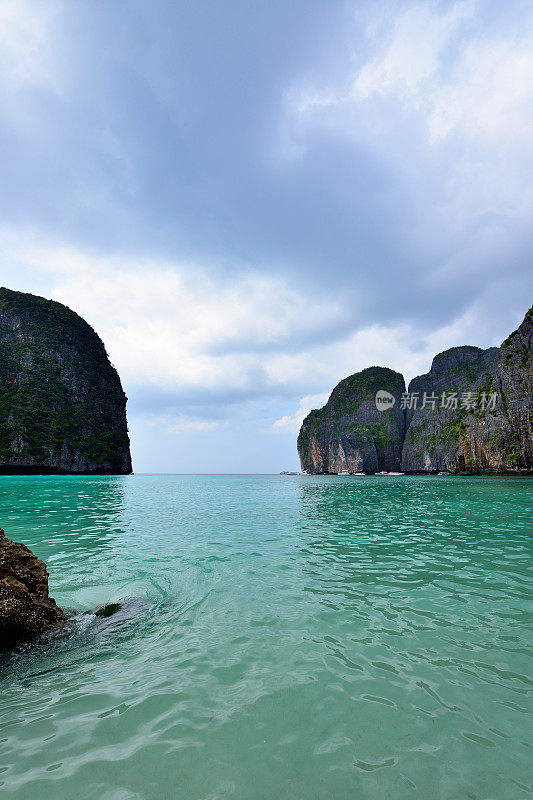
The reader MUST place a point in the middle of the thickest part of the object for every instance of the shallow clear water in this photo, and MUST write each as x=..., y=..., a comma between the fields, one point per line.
x=287, y=637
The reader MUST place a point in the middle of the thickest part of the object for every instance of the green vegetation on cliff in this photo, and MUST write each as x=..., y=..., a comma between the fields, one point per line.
x=485, y=425
x=348, y=395
x=346, y=398
x=61, y=402
x=349, y=431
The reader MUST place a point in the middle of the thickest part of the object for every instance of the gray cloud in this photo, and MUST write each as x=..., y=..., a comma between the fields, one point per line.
x=371, y=156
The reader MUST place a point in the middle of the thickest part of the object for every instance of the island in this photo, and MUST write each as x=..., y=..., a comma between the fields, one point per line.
x=62, y=406
x=472, y=413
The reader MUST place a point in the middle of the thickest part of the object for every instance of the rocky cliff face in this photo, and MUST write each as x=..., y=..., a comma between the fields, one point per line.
x=350, y=432
x=62, y=407
x=492, y=440
x=513, y=384
x=435, y=436
x=26, y=609
x=469, y=433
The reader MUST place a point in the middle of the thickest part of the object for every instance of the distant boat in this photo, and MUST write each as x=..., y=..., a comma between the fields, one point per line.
x=396, y=473
x=359, y=474
x=344, y=472
x=444, y=473
x=382, y=473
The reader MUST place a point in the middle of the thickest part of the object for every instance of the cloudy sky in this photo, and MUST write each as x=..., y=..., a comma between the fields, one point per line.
x=250, y=200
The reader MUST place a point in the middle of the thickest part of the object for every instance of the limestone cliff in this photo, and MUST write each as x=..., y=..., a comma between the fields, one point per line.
x=62, y=407
x=435, y=436
x=478, y=440
x=350, y=432
x=485, y=426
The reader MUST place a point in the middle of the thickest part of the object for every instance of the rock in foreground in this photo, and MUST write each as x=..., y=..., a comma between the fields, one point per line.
x=26, y=609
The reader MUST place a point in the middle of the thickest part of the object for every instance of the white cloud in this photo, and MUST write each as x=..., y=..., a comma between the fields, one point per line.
x=178, y=327
x=183, y=424
x=443, y=66
x=483, y=91
x=446, y=101
x=182, y=332
x=408, y=64
x=489, y=94
x=291, y=424
x=27, y=53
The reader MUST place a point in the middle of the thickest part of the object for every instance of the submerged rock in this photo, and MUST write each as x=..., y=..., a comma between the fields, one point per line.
x=118, y=618
x=26, y=609
x=106, y=611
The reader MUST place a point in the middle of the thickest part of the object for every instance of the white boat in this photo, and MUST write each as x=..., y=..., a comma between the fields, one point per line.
x=382, y=473
x=396, y=473
x=443, y=473
x=343, y=472
x=359, y=474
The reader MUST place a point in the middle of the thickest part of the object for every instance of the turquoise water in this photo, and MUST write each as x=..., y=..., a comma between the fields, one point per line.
x=286, y=638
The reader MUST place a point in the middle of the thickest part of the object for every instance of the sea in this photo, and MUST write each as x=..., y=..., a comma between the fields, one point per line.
x=278, y=638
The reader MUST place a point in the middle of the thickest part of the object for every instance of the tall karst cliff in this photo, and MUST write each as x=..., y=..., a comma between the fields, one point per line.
x=62, y=407
x=486, y=438
x=513, y=384
x=349, y=432
x=435, y=434
x=484, y=426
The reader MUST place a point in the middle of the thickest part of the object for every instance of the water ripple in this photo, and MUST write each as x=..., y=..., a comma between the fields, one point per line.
x=305, y=638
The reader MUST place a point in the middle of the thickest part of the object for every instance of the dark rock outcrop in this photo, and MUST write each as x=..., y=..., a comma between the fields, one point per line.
x=62, y=407
x=512, y=445
x=26, y=609
x=349, y=432
x=116, y=619
x=471, y=434
x=435, y=435
x=488, y=440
